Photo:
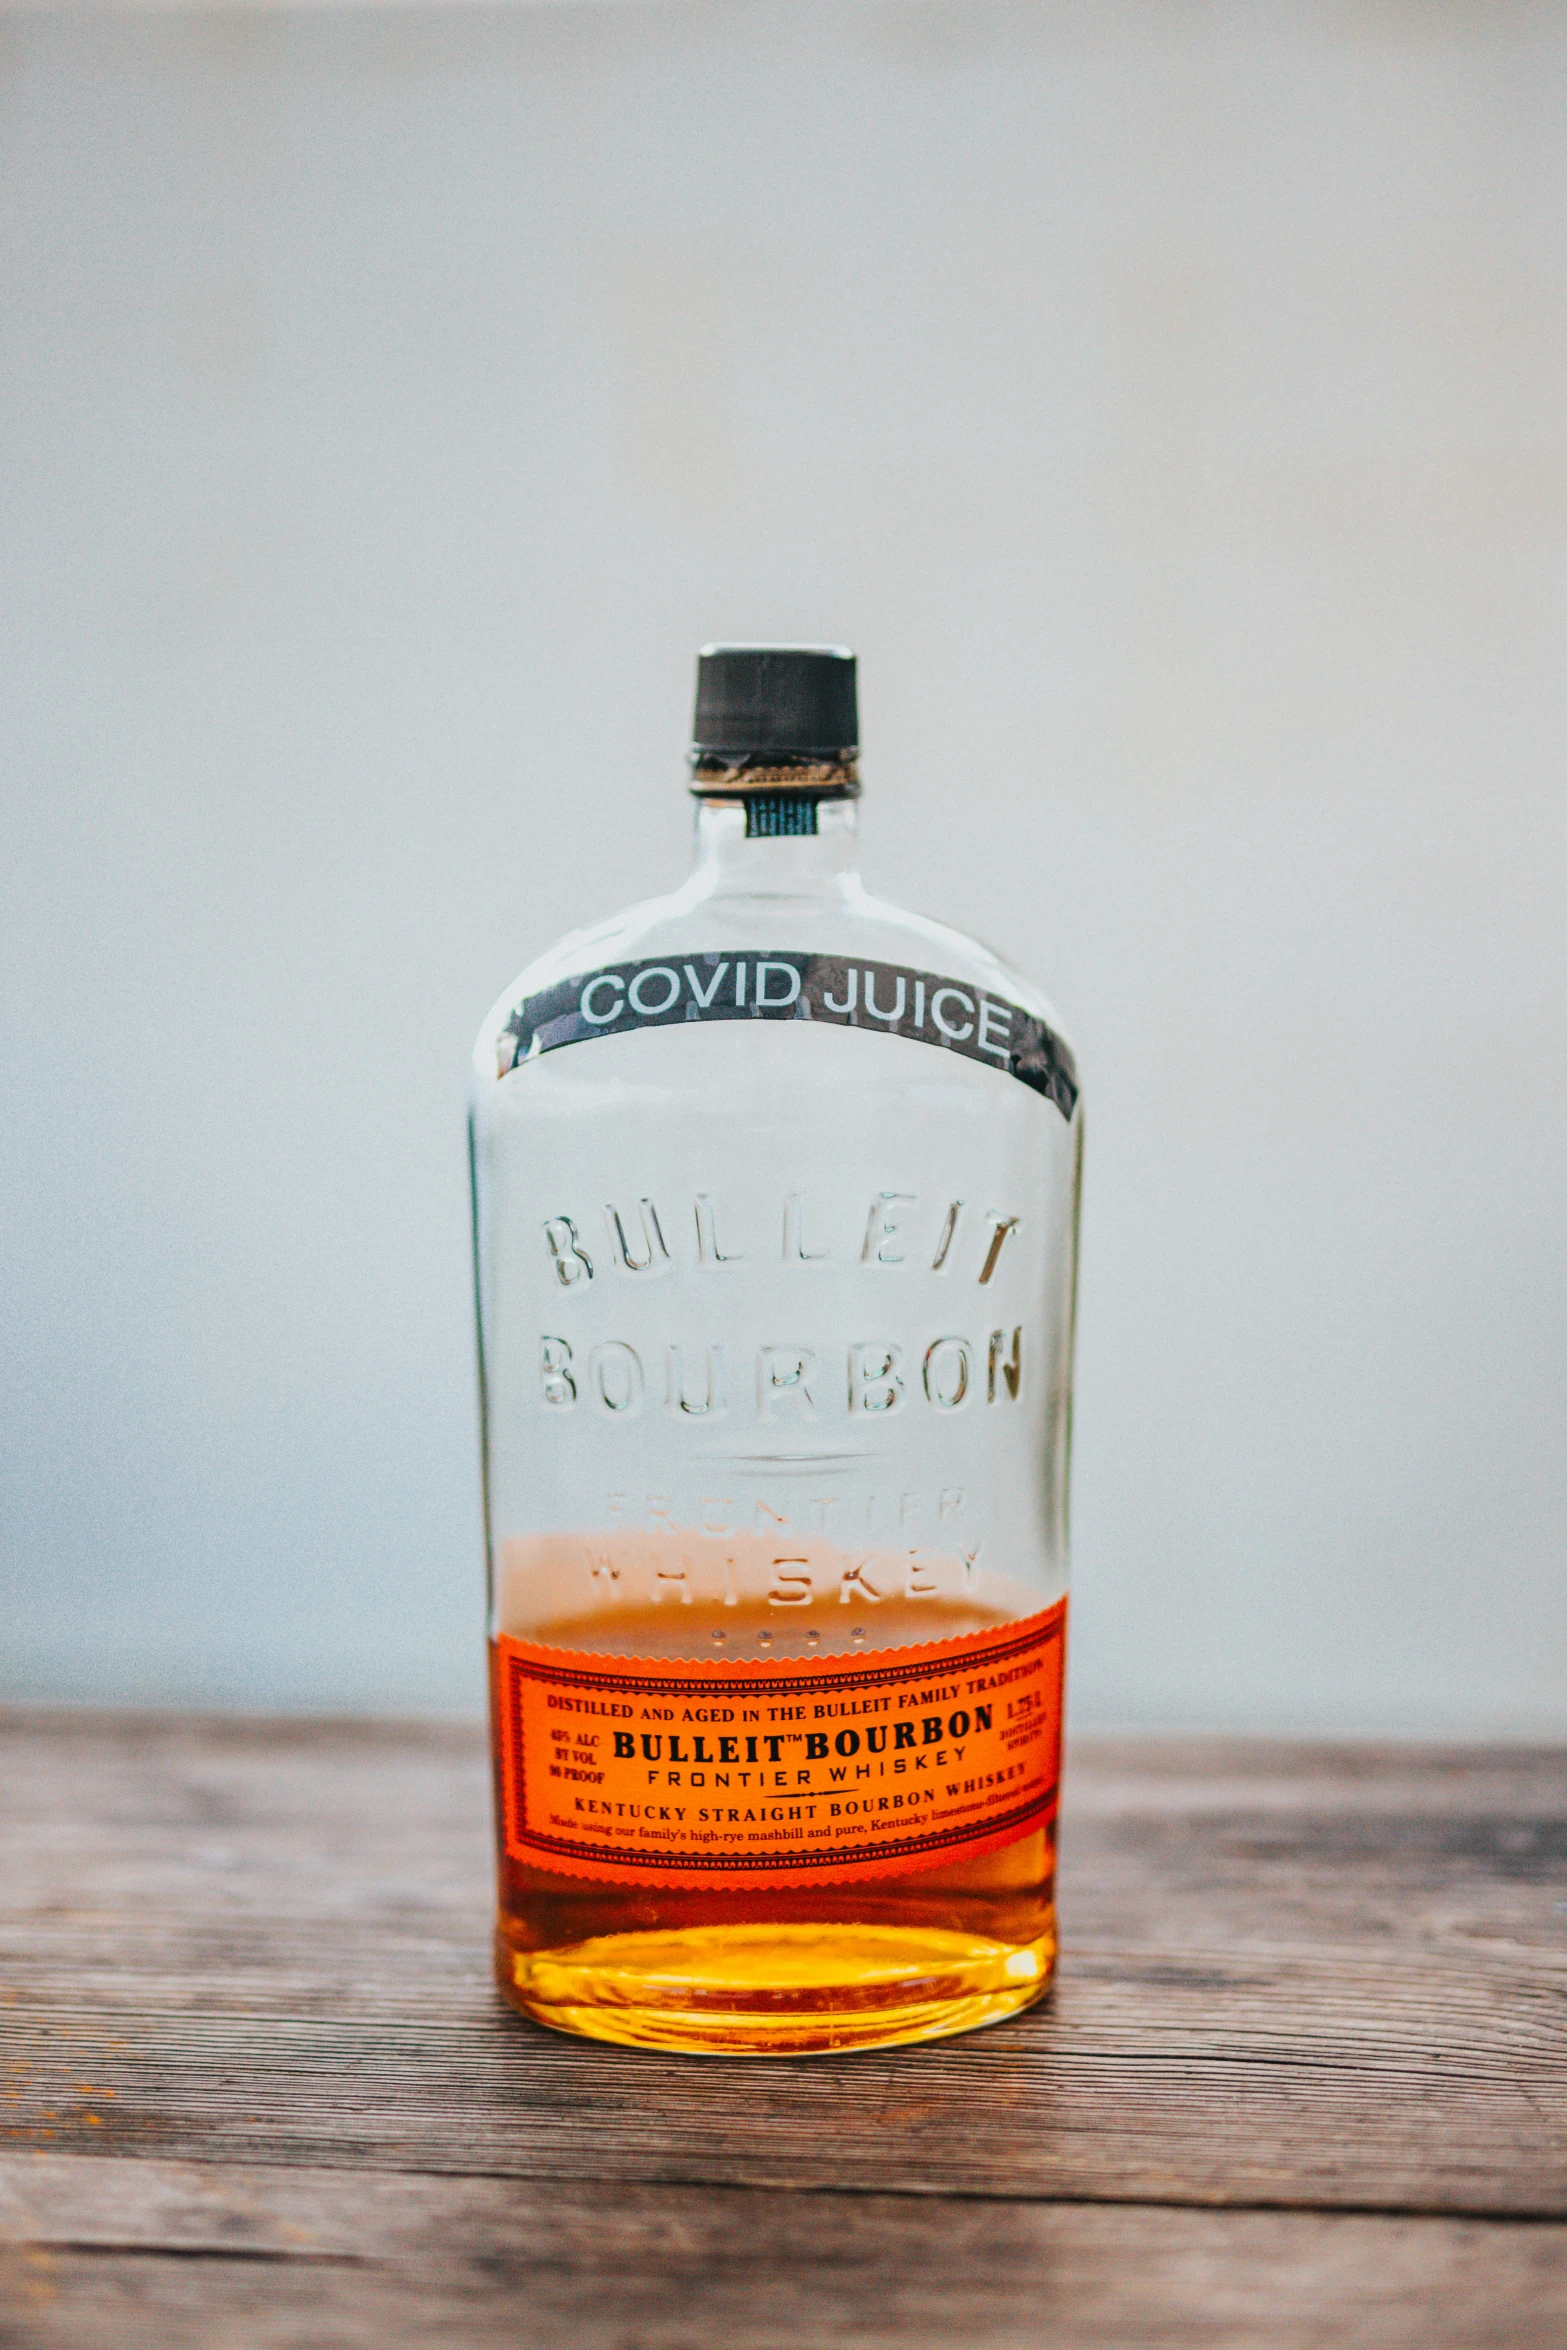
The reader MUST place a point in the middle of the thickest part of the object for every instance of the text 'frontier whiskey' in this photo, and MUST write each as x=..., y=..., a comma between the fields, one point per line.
x=775, y=1197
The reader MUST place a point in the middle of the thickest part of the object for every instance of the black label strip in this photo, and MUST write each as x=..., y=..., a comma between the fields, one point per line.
x=886, y=998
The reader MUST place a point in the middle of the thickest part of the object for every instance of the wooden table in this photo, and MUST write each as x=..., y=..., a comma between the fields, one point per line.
x=1304, y=2079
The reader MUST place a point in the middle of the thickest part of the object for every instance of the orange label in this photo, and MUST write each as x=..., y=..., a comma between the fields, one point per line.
x=772, y=1774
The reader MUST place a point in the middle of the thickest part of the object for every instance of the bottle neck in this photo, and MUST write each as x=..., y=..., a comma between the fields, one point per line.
x=734, y=860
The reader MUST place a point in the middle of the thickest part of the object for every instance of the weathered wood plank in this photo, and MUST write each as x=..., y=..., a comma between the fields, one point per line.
x=1272, y=2083
x=196, y=2255
x=1293, y=1976
x=1163, y=1839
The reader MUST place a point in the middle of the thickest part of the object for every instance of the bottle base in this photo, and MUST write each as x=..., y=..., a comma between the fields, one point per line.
x=775, y=1990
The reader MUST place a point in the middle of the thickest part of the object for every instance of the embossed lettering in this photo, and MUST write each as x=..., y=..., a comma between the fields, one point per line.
x=791, y=1586
x=948, y=1230
x=1001, y=1226
x=875, y=1382
x=881, y=1227
x=708, y=1251
x=675, y=1582
x=603, y=1573
x=680, y=1397
x=855, y=1579
x=1010, y=1372
x=794, y=1248
x=572, y=1262
x=783, y=1375
x=559, y=1387
x=655, y=1249
x=615, y=1372
x=946, y=1372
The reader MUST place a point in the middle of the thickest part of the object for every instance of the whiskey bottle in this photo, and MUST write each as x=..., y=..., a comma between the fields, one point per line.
x=775, y=1207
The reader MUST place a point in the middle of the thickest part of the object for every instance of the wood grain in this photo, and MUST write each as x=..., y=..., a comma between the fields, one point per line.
x=191, y=2255
x=1293, y=1978
x=255, y=2087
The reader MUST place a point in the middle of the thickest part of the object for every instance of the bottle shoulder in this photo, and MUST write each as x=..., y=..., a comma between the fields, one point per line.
x=953, y=954
x=847, y=922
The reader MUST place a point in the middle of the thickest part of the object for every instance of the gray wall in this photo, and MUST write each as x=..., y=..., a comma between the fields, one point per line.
x=1169, y=404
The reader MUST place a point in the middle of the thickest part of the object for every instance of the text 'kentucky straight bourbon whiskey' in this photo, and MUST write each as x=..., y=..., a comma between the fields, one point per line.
x=775, y=1205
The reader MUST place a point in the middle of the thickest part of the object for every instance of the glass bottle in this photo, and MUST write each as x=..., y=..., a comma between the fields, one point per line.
x=775, y=1210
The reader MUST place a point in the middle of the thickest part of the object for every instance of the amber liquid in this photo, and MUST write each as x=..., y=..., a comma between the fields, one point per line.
x=750, y=1971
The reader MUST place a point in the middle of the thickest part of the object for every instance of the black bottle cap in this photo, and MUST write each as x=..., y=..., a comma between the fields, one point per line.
x=775, y=706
